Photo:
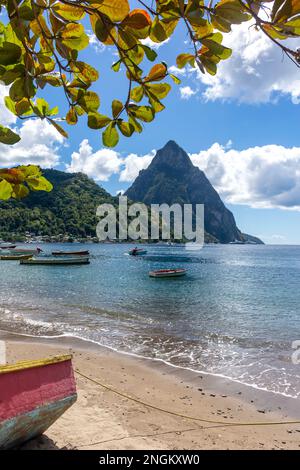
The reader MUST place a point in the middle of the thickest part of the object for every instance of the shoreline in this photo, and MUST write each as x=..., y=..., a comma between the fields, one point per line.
x=216, y=381
x=193, y=394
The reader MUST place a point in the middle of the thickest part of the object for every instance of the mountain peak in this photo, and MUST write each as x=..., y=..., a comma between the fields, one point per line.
x=173, y=156
x=171, y=144
x=171, y=178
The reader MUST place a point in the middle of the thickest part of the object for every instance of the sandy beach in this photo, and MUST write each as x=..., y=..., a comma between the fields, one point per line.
x=102, y=419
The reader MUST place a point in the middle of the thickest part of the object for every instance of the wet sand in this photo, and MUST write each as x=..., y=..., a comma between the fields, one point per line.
x=102, y=419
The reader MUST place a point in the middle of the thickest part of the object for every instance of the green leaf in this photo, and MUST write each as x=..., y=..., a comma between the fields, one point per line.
x=10, y=104
x=162, y=29
x=74, y=37
x=97, y=121
x=117, y=107
x=42, y=106
x=22, y=88
x=183, y=59
x=5, y=190
x=126, y=128
x=71, y=116
x=23, y=107
x=110, y=136
x=217, y=49
x=87, y=71
x=116, y=66
x=144, y=113
x=90, y=101
x=210, y=66
x=175, y=79
x=58, y=128
x=137, y=94
x=232, y=11
x=150, y=53
x=7, y=136
x=135, y=124
x=160, y=90
x=25, y=11
x=10, y=53
x=20, y=191
x=39, y=184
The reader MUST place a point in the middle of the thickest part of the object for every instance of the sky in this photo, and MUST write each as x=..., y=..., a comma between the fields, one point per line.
x=240, y=127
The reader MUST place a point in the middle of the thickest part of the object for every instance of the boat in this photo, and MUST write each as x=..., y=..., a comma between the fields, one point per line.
x=56, y=261
x=25, y=251
x=33, y=395
x=14, y=257
x=7, y=247
x=71, y=253
x=168, y=273
x=137, y=252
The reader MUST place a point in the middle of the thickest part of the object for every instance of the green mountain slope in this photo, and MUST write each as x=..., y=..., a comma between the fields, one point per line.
x=70, y=209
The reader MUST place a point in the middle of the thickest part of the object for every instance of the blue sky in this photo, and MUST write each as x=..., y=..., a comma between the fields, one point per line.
x=241, y=128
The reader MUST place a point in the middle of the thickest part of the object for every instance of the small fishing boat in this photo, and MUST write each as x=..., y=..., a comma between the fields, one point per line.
x=33, y=395
x=137, y=252
x=14, y=257
x=25, y=251
x=71, y=253
x=168, y=273
x=55, y=261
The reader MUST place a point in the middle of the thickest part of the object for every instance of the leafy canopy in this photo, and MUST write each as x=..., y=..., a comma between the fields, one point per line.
x=41, y=41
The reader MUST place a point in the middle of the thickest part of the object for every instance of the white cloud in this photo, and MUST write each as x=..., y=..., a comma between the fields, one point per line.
x=261, y=177
x=134, y=164
x=39, y=142
x=103, y=163
x=6, y=117
x=99, y=165
x=154, y=45
x=38, y=145
x=95, y=43
x=257, y=71
x=186, y=92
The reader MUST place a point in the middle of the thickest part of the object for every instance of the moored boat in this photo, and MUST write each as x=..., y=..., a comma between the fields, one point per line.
x=7, y=247
x=33, y=395
x=71, y=253
x=55, y=261
x=14, y=257
x=137, y=252
x=24, y=251
x=168, y=273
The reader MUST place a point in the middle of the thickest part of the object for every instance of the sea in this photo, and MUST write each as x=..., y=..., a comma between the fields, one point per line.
x=236, y=314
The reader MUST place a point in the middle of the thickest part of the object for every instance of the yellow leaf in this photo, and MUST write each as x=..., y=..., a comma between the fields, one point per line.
x=116, y=10
x=68, y=12
x=157, y=73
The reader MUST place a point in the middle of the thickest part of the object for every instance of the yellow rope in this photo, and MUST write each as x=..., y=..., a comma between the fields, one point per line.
x=180, y=415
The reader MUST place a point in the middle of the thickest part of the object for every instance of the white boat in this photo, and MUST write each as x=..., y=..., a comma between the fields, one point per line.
x=168, y=273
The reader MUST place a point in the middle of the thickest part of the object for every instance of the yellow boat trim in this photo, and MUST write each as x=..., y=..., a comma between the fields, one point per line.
x=31, y=364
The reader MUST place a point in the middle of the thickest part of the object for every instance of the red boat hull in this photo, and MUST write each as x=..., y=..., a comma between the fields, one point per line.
x=32, y=396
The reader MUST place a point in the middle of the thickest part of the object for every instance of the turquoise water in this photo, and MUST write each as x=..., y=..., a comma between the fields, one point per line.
x=235, y=314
